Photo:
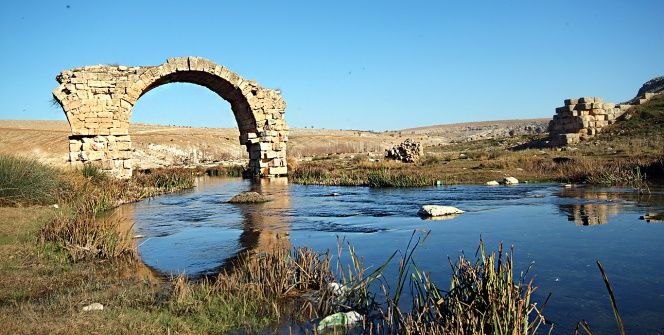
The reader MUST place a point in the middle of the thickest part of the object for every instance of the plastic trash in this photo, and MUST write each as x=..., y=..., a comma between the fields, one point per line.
x=340, y=319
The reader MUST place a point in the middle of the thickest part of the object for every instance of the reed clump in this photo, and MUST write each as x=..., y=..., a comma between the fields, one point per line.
x=484, y=297
x=253, y=292
x=387, y=178
x=165, y=180
x=27, y=182
x=369, y=174
x=224, y=171
x=87, y=238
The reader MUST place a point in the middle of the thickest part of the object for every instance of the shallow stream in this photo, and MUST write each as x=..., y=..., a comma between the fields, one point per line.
x=562, y=230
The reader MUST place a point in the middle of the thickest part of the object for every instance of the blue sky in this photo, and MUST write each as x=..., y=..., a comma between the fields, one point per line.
x=353, y=65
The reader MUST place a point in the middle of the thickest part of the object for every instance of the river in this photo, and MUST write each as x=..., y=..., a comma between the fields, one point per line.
x=562, y=230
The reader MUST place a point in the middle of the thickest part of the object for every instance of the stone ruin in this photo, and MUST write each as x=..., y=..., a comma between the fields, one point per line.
x=583, y=118
x=98, y=102
x=408, y=151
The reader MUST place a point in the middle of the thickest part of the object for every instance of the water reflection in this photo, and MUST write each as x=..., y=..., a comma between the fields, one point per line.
x=123, y=218
x=594, y=206
x=265, y=226
x=199, y=233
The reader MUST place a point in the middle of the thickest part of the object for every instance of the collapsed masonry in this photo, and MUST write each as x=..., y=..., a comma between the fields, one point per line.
x=408, y=151
x=98, y=101
x=585, y=117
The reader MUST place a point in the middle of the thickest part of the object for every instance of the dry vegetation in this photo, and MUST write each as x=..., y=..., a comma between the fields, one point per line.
x=629, y=152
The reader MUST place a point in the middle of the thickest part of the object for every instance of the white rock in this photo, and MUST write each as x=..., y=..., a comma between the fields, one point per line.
x=510, y=181
x=492, y=183
x=93, y=307
x=434, y=210
x=337, y=289
x=56, y=206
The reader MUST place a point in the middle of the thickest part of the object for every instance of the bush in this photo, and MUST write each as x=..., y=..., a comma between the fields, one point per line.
x=27, y=182
x=385, y=178
x=167, y=180
x=85, y=238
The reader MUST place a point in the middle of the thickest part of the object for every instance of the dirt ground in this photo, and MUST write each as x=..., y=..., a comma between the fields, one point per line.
x=162, y=146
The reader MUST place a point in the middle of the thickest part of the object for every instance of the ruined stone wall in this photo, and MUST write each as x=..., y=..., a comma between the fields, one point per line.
x=582, y=118
x=98, y=101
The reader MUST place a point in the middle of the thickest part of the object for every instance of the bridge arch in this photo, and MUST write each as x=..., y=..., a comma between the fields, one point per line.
x=98, y=102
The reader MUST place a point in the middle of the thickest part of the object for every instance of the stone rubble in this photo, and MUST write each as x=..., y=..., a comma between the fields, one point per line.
x=408, y=151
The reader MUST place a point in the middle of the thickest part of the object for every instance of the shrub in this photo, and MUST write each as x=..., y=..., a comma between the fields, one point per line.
x=27, y=182
x=86, y=238
x=385, y=178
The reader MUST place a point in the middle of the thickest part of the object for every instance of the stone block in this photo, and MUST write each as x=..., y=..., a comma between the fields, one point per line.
x=648, y=95
x=76, y=146
x=277, y=170
x=269, y=154
x=74, y=156
x=122, y=146
x=570, y=102
x=94, y=155
x=265, y=146
x=107, y=164
x=585, y=100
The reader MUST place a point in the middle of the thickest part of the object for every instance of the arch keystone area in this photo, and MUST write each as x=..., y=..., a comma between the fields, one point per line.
x=98, y=101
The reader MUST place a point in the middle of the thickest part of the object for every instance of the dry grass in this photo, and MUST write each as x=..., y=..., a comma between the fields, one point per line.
x=480, y=161
x=87, y=238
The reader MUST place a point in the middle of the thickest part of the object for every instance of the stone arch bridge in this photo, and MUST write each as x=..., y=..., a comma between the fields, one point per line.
x=98, y=102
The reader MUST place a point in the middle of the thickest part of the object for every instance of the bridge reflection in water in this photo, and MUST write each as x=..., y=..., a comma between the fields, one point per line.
x=264, y=227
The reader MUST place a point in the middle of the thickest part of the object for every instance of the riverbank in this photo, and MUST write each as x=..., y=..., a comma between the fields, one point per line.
x=626, y=153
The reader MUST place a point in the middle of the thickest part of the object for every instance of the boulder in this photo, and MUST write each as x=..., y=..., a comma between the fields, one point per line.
x=492, y=183
x=435, y=211
x=510, y=181
x=249, y=197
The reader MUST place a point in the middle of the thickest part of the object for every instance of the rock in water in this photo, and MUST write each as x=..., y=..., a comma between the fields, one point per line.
x=249, y=198
x=434, y=210
x=492, y=183
x=510, y=181
x=93, y=307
